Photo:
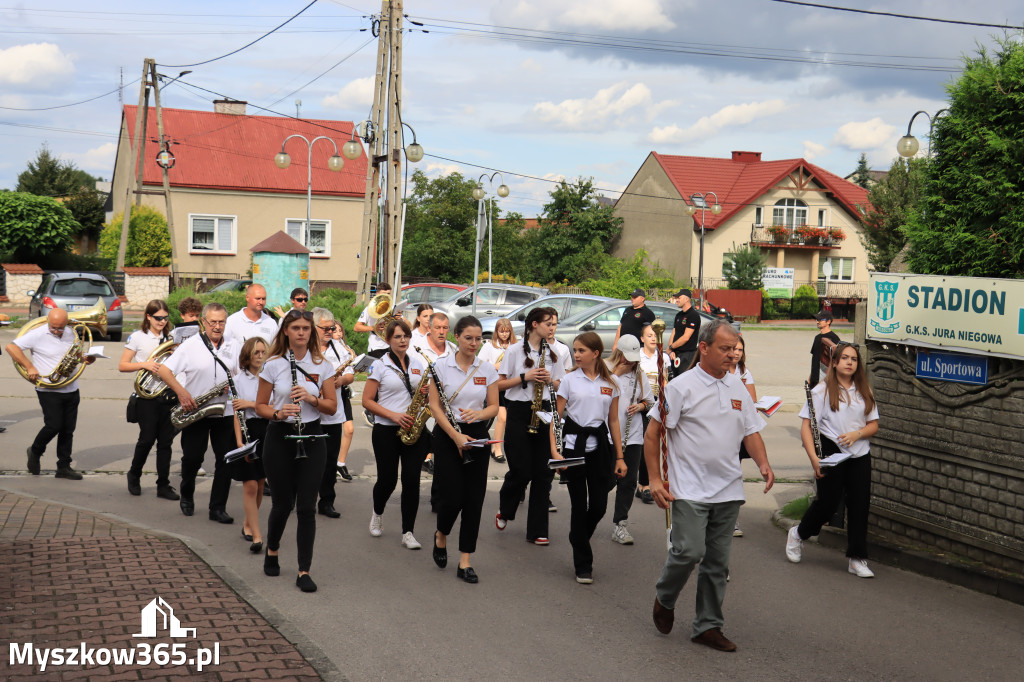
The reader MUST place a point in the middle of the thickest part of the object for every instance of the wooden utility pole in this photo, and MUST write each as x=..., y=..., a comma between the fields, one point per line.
x=393, y=204
x=166, y=180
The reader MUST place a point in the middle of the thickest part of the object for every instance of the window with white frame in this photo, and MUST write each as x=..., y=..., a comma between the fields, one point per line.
x=789, y=212
x=842, y=269
x=212, y=234
x=759, y=215
x=319, y=242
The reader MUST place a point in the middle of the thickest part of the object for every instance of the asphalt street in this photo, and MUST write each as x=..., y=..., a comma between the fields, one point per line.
x=384, y=612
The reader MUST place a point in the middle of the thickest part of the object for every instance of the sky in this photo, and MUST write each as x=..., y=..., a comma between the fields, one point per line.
x=538, y=89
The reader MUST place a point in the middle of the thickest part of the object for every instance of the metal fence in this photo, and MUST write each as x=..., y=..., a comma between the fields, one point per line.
x=202, y=281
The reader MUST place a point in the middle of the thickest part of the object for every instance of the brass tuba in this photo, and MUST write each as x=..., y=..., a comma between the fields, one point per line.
x=381, y=309
x=147, y=384
x=72, y=364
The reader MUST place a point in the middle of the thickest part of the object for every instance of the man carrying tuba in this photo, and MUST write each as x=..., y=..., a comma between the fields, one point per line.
x=374, y=321
x=49, y=345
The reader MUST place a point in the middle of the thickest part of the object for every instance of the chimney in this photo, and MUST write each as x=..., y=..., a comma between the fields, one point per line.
x=229, y=106
x=743, y=157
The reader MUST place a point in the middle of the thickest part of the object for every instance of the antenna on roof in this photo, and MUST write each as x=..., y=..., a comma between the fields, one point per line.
x=298, y=108
x=120, y=91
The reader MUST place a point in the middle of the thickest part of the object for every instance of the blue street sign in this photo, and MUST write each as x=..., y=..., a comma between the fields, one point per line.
x=962, y=369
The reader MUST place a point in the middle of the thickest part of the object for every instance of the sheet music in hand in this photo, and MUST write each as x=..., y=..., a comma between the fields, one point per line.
x=768, y=404
x=241, y=453
x=563, y=463
x=480, y=442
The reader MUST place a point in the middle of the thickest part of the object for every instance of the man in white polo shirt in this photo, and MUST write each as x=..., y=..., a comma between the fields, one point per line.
x=376, y=346
x=48, y=344
x=708, y=413
x=251, y=320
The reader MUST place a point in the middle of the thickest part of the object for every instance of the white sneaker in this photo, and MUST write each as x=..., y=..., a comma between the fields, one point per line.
x=794, y=546
x=376, y=525
x=736, y=532
x=621, y=534
x=409, y=542
x=859, y=567
x=201, y=472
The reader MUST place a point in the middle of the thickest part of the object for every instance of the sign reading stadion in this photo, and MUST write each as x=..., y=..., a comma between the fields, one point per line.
x=970, y=314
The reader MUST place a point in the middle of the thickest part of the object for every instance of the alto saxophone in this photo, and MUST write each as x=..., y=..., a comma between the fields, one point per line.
x=180, y=418
x=538, y=393
x=417, y=409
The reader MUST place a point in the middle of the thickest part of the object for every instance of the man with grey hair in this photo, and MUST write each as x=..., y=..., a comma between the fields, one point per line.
x=706, y=414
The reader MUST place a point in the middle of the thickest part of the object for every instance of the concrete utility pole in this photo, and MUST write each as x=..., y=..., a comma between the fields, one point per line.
x=166, y=181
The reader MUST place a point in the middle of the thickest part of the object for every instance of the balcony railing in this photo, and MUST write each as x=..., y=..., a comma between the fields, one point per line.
x=812, y=236
x=843, y=290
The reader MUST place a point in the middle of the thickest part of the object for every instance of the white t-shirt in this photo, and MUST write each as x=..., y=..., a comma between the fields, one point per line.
x=587, y=403
x=247, y=386
x=490, y=353
x=707, y=420
x=336, y=360
x=514, y=364
x=194, y=368
x=649, y=365
x=278, y=372
x=240, y=328
x=850, y=417
x=564, y=354
x=392, y=393
x=463, y=394
x=47, y=352
x=143, y=344
x=374, y=342
x=627, y=388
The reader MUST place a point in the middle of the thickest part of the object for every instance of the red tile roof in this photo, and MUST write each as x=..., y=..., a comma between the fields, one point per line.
x=23, y=269
x=740, y=180
x=280, y=242
x=236, y=152
x=148, y=271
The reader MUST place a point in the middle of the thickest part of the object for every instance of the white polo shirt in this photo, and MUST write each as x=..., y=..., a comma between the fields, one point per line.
x=627, y=388
x=374, y=342
x=392, y=393
x=564, y=354
x=143, y=344
x=587, y=402
x=278, y=372
x=707, y=420
x=465, y=390
x=427, y=351
x=194, y=368
x=850, y=417
x=47, y=352
x=490, y=353
x=240, y=328
x=514, y=364
x=247, y=386
x=419, y=338
x=337, y=356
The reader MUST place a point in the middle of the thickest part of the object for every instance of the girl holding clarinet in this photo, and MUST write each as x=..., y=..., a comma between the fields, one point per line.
x=250, y=469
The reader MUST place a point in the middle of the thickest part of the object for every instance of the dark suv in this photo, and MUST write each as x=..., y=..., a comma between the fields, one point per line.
x=77, y=291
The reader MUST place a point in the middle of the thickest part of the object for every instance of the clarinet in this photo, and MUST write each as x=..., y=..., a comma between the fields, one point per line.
x=629, y=417
x=814, y=421
x=448, y=412
x=300, y=446
x=556, y=422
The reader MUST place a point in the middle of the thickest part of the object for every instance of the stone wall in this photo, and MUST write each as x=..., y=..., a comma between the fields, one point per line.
x=142, y=285
x=21, y=277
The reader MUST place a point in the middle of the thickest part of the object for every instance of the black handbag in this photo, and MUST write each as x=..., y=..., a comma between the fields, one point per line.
x=132, y=411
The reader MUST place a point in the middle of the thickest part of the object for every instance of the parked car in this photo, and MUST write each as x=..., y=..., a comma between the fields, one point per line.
x=77, y=291
x=567, y=305
x=412, y=295
x=492, y=300
x=605, y=321
x=231, y=285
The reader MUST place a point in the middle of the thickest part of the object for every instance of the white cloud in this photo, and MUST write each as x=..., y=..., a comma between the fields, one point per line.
x=98, y=159
x=357, y=94
x=731, y=115
x=618, y=15
x=436, y=169
x=864, y=135
x=531, y=66
x=37, y=64
x=812, y=149
x=616, y=105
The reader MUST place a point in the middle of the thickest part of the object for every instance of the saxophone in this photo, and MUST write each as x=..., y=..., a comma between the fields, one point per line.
x=180, y=418
x=417, y=408
x=538, y=393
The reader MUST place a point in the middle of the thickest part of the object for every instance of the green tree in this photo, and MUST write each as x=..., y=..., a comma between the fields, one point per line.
x=619, y=277
x=33, y=227
x=743, y=267
x=87, y=207
x=805, y=302
x=862, y=174
x=48, y=176
x=891, y=201
x=513, y=244
x=576, y=234
x=972, y=220
x=149, y=243
x=440, y=228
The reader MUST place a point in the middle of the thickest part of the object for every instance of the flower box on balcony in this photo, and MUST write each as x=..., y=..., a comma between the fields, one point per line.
x=836, y=235
x=811, y=235
x=779, y=233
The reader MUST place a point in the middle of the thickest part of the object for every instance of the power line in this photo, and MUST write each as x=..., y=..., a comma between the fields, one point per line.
x=73, y=104
x=894, y=15
x=334, y=66
x=250, y=44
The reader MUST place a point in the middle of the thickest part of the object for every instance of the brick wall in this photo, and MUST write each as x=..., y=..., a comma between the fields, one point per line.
x=948, y=460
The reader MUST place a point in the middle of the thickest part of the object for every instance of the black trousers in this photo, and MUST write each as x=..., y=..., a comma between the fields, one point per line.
x=852, y=477
x=219, y=432
x=389, y=451
x=154, y=427
x=461, y=485
x=626, y=486
x=330, y=473
x=294, y=484
x=60, y=416
x=643, y=478
x=527, y=454
x=589, y=485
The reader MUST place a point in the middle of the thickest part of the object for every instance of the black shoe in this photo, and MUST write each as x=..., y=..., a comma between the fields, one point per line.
x=638, y=494
x=646, y=497
x=220, y=516
x=167, y=492
x=133, y=484
x=3, y=429
x=551, y=506
x=256, y=547
x=467, y=574
x=33, y=462
x=270, y=565
x=329, y=511
x=563, y=479
x=246, y=536
x=500, y=459
x=428, y=466
x=343, y=472
x=188, y=507
x=305, y=583
x=440, y=554
x=266, y=490
x=68, y=473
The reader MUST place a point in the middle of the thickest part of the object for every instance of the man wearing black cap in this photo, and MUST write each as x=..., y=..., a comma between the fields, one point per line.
x=634, y=319
x=683, y=345
x=823, y=320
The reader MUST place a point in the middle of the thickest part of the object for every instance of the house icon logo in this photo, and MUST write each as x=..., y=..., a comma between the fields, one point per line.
x=158, y=611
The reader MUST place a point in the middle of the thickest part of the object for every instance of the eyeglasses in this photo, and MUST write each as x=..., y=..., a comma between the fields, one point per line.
x=300, y=299
x=159, y=318
x=327, y=330
x=217, y=323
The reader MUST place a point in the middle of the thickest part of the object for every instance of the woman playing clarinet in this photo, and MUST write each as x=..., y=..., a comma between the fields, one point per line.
x=250, y=469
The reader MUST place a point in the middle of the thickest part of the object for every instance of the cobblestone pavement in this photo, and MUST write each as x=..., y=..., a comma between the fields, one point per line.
x=70, y=579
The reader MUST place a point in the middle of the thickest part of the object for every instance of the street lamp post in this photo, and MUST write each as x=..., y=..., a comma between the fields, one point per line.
x=908, y=144
x=700, y=200
x=282, y=160
x=484, y=222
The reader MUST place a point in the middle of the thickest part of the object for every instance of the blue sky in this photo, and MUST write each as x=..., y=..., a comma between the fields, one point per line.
x=599, y=85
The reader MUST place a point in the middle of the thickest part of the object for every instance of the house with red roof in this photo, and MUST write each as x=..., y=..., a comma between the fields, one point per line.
x=227, y=194
x=800, y=215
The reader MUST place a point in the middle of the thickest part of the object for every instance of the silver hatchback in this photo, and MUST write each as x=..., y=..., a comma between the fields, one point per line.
x=77, y=291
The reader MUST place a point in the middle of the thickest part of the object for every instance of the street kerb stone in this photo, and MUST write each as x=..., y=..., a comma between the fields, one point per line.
x=65, y=592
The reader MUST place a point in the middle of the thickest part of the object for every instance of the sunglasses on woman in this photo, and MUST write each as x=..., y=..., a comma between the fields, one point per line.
x=159, y=318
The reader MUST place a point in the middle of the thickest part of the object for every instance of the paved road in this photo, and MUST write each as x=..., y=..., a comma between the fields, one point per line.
x=384, y=612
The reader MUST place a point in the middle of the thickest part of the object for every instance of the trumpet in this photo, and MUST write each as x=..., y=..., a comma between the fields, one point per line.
x=147, y=384
x=72, y=364
x=381, y=311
